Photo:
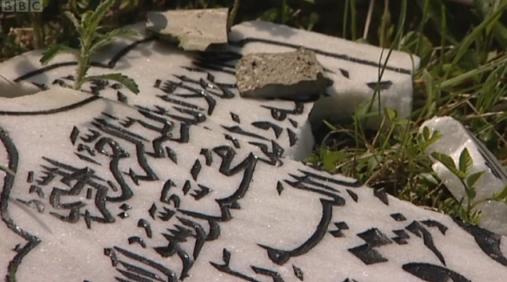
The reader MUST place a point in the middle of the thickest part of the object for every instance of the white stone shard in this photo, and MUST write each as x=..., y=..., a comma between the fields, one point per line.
x=114, y=186
x=195, y=30
x=456, y=138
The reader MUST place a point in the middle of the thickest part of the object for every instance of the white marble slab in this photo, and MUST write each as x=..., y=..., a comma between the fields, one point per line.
x=199, y=89
x=97, y=196
x=107, y=188
x=162, y=70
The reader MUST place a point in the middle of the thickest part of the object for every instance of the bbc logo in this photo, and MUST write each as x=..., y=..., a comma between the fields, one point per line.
x=21, y=6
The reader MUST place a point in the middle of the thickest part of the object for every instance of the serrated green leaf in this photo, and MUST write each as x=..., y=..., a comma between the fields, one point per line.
x=391, y=114
x=473, y=178
x=52, y=51
x=110, y=36
x=435, y=137
x=97, y=16
x=85, y=18
x=426, y=133
x=428, y=178
x=470, y=191
x=72, y=18
x=123, y=79
x=447, y=161
x=465, y=161
x=331, y=158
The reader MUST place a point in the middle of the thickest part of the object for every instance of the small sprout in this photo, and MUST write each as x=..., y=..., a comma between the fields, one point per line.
x=447, y=161
x=465, y=162
x=466, y=208
x=92, y=40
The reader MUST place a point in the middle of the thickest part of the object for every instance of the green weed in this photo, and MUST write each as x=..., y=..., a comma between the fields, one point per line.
x=92, y=40
x=466, y=208
x=463, y=74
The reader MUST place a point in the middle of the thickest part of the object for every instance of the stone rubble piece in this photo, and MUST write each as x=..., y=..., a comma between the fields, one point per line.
x=454, y=139
x=294, y=75
x=195, y=30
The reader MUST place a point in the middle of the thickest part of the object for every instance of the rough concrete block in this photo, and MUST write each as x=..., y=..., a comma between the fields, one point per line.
x=294, y=75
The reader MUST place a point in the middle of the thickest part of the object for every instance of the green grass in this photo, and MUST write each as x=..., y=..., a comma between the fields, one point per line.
x=463, y=74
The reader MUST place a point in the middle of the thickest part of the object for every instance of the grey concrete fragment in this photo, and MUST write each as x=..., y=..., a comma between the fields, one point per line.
x=195, y=30
x=296, y=75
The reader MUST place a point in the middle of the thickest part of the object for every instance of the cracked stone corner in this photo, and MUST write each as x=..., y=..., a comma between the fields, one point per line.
x=194, y=30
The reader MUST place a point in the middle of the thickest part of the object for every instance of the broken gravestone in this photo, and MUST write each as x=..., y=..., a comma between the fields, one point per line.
x=195, y=30
x=187, y=181
x=455, y=138
x=295, y=75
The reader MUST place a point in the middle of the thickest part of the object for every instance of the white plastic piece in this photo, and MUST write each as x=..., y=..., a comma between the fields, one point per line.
x=455, y=138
